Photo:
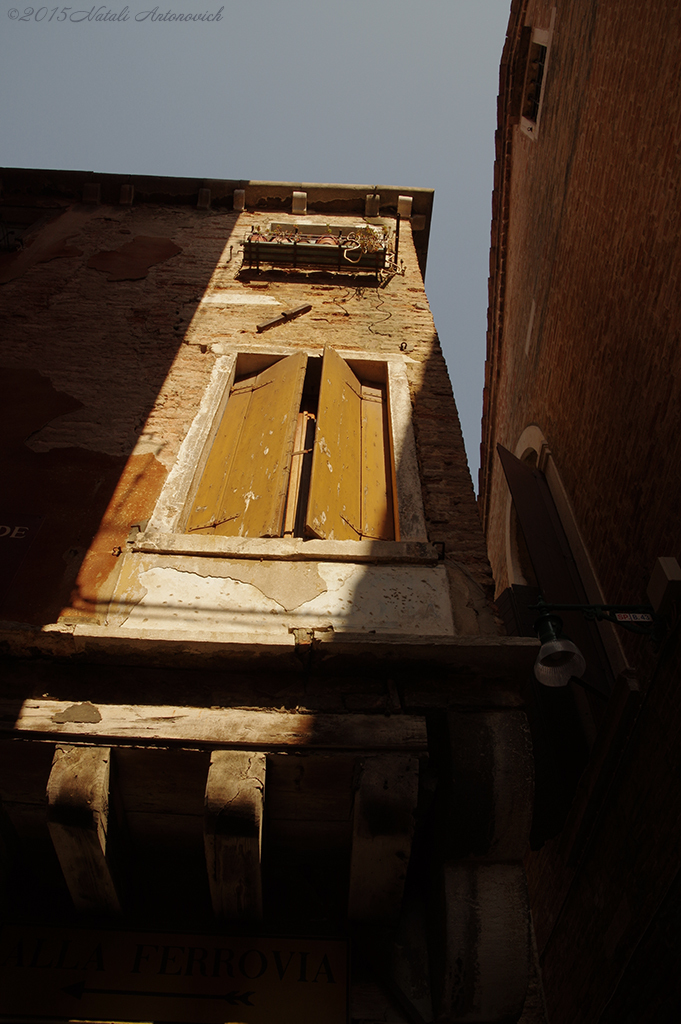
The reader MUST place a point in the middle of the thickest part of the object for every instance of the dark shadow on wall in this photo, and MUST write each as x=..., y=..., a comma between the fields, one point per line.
x=72, y=487
x=91, y=330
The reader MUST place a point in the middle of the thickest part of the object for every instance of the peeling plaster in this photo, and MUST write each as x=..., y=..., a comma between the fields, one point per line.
x=184, y=600
x=84, y=713
x=290, y=584
x=48, y=244
x=235, y=597
x=133, y=260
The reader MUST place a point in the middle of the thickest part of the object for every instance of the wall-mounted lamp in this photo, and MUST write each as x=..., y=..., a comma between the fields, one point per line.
x=559, y=660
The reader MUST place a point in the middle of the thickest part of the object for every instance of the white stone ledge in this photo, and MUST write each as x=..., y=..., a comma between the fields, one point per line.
x=508, y=657
x=287, y=548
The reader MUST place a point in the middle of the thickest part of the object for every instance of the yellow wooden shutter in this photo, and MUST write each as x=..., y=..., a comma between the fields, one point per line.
x=378, y=517
x=299, y=481
x=333, y=511
x=243, y=487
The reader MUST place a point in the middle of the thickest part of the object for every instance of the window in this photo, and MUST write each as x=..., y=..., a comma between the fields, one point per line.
x=536, y=43
x=302, y=448
x=533, y=82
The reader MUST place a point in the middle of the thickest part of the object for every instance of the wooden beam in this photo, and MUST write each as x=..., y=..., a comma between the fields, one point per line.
x=383, y=826
x=210, y=727
x=235, y=795
x=78, y=818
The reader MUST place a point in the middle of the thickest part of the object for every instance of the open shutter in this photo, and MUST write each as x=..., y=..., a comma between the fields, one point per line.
x=204, y=511
x=299, y=481
x=378, y=517
x=242, y=492
x=333, y=511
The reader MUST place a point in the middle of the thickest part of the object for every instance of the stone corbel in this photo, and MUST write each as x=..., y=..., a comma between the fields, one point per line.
x=234, y=808
x=383, y=826
x=78, y=821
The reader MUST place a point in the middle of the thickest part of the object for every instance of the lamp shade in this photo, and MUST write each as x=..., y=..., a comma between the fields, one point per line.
x=558, y=660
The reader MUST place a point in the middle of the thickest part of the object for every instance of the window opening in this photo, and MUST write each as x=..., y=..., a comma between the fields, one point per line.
x=303, y=449
x=534, y=53
x=533, y=81
x=520, y=554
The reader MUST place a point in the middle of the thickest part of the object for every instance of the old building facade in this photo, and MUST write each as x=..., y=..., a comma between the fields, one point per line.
x=582, y=393
x=263, y=741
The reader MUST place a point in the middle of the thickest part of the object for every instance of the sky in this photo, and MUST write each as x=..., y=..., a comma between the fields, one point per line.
x=395, y=92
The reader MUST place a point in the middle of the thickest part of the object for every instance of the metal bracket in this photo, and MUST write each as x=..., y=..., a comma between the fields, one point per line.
x=288, y=314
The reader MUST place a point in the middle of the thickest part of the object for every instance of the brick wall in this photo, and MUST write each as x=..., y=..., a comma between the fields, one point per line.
x=588, y=228
x=594, y=241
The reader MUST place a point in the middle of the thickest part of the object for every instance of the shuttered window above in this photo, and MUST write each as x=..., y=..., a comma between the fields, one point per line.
x=242, y=491
x=351, y=491
x=302, y=449
x=530, y=78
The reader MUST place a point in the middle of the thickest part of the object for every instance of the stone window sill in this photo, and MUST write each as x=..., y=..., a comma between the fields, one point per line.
x=287, y=548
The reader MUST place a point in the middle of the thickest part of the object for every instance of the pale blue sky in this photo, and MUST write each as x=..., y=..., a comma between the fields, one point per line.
x=399, y=92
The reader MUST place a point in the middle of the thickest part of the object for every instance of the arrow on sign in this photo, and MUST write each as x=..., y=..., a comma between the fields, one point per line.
x=79, y=989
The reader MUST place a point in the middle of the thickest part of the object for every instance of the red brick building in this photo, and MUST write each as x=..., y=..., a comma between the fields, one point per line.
x=583, y=387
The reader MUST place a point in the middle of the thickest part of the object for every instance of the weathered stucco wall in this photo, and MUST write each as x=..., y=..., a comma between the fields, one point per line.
x=118, y=315
x=273, y=597
x=364, y=679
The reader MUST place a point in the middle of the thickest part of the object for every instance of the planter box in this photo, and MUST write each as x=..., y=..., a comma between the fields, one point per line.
x=311, y=254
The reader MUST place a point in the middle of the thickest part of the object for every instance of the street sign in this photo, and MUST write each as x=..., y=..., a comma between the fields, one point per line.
x=633, y=617
x=197, y=979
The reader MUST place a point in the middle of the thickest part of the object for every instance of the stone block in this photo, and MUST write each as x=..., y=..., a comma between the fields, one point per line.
x=480, y=943
x=492, y=785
